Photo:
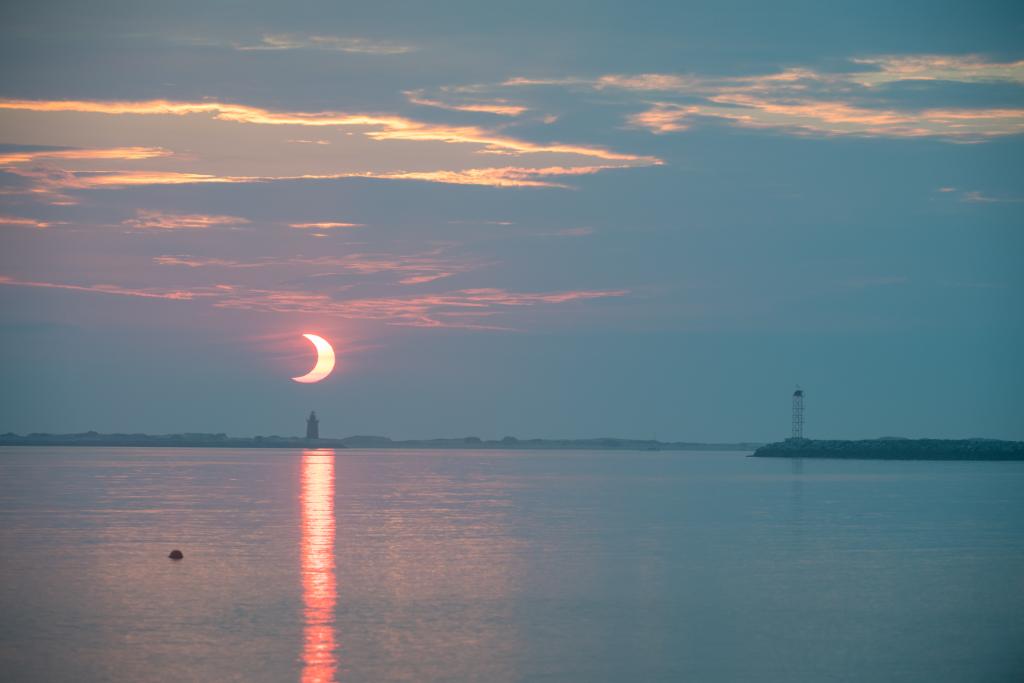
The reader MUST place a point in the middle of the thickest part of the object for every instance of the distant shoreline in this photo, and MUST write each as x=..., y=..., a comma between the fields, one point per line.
x=382, y=442
x=895, y=449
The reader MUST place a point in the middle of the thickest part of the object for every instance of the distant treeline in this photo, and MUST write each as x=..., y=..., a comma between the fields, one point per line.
x=895, y=449
x=221, y=440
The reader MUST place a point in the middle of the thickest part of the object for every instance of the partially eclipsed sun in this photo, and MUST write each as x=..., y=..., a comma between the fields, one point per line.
x=324, y=361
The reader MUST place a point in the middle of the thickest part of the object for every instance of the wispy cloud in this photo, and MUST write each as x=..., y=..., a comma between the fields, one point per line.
x=459, y=309
x=835, y=118
x=173, y=294
x=179, y=221
x=51, y=182
x=663, y=117
x=977, y=197
x=497, y=107
x=582, y=231
x=383, y=126
x=957, y=68
x=51, y=174
x=201, y=262
x=326, y=225
x=411, y=269
x=508, y=176
x=292, y=41
x=809, y=101
x=17, y=221
x=116, y=153
x=465, y=308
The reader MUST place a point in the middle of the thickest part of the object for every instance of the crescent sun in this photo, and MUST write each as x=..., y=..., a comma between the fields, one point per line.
x=324, y=361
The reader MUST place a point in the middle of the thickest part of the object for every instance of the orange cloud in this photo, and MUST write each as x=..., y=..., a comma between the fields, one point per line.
x=23, y=222
x=498, y=177
x=663, y=117
x=839, y=118
x=499, y=107
x=646, y=82
x=119, y=153
x=387, y=127
x=179, y=221
x=504, y=176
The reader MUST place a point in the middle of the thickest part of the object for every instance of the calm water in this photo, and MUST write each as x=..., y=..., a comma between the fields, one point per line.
x=500, y=566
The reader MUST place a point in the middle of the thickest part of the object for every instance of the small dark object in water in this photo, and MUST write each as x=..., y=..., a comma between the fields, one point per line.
x=175, y=555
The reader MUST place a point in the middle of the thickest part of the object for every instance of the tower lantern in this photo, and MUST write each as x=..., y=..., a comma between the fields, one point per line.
x=312, y=426
x=798, y=413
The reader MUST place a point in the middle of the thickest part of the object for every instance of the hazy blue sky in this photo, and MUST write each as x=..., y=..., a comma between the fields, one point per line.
x=541, y=219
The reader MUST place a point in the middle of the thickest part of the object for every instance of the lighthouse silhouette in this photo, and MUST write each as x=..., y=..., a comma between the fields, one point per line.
x=312, y=426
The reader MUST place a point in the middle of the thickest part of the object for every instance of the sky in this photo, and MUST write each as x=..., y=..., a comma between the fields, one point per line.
x=572, y=219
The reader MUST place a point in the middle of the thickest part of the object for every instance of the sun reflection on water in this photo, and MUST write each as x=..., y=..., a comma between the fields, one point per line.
x=319, y=587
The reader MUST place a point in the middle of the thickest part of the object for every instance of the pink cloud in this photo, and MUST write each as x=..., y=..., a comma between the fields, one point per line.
x=326, y=225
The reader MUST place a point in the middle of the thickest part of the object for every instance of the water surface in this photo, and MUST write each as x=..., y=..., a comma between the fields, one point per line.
x=506, y=566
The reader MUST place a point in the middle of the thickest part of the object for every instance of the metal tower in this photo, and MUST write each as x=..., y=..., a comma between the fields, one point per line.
x=798, y=413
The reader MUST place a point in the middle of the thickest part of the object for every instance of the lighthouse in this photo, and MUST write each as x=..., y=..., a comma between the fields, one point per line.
x=798, y=414
x=312, y=426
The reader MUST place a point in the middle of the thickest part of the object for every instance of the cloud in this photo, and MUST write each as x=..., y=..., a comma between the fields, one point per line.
x=497, y=107
x=663, y=117
x=977, y=197
x=49, y=182
x=456, y=309
x=291, y=41
x=325, y=225
x=957, y=68
x=117, y=153
x=180, y=221
x=509, y=176
x=173, y=294
x=383, y=126
x=412, y=269
x=835, y=118
x=197, y=262
x=224, y=149
x=450, y=309
x=24, y=222
x=647, y=82
x=808, y=101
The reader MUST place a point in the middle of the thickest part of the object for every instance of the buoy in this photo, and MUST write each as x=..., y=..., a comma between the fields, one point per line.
x=175, y=555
